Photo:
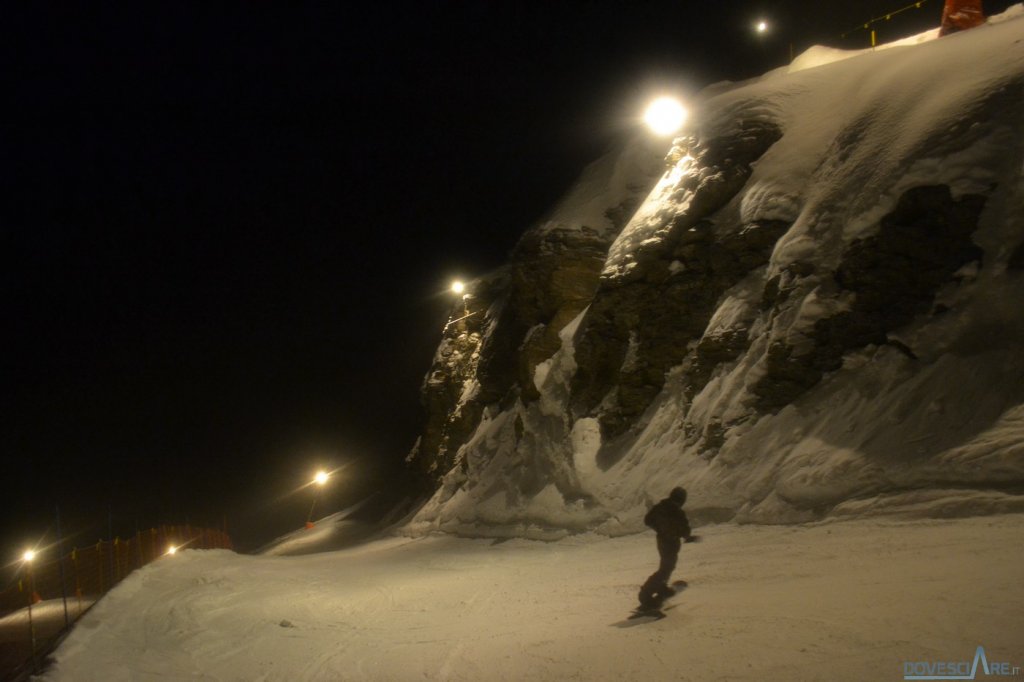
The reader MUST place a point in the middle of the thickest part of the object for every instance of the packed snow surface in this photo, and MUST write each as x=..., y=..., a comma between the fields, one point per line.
x=848, y=600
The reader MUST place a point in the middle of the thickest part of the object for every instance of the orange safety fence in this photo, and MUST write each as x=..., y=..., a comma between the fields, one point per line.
x=91, y=571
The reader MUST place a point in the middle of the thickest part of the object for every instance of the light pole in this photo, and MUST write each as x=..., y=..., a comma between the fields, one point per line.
x=319, y=480
x=459, y=289
x=28, y=557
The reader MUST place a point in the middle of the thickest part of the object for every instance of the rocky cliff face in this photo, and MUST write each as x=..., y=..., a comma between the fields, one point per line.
x=509, y=322
x=809, y=304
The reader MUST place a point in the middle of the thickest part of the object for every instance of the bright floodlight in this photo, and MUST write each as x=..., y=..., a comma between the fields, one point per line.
x=29, y=555
x=665, y=116
x=458, y=287
x=762, y=26
x=321, y=477
x=172, y=550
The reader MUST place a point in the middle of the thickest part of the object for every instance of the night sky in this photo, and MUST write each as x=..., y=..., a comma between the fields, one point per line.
x=228, y=228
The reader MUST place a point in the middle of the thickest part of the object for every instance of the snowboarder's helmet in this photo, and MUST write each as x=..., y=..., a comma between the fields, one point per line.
x=678, y=495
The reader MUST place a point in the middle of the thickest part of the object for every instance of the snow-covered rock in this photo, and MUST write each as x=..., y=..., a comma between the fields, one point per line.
x=816, y=310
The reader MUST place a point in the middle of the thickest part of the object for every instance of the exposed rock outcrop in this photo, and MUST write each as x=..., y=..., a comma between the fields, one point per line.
x=817, y=305
x=1016, y=261
x=509, y=322
x=892, y=275
x=660, y=298
x=452, y=394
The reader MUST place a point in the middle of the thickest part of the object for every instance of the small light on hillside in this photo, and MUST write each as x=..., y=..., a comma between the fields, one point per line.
x=29, y=555
x=458, y=287
x=321, y=477
x=761, y=27
x=665, y=115
x=172, y=550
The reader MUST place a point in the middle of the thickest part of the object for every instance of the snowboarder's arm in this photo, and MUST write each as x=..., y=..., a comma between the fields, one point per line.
x=684, y=526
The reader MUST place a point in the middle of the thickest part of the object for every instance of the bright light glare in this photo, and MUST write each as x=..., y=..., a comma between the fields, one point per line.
x=29, y=555
x=321, y=477
x=172, y=550
x=458, y=287
x=665, y=115
x=762, y=26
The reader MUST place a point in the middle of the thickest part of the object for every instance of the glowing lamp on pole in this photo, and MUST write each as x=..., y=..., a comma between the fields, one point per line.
x=459, y=289
x=28, y=557
x=761, y=27
x=320, y=479
x=665, y=116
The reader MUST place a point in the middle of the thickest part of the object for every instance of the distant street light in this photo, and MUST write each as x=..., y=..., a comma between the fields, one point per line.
x=320, y=479
x=172, y=550
x=28, y=557
x=763, y=28
x=665, y=115
x=459, y=289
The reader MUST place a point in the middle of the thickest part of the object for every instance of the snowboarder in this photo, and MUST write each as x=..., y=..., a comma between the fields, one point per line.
x=669, y=520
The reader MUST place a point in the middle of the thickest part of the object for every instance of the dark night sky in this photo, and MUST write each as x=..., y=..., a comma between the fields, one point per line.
x=227, y=227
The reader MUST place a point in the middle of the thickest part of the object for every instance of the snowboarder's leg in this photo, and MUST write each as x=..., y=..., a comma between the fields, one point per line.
x=648, y=590
x=668, y=550
x=656, y=589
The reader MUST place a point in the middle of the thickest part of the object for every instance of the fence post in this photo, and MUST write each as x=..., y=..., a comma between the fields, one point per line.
x=60, y=562
x=110, y=538
x=78, y=582
x=138, y=540
x=31, y=623
x=99, y=563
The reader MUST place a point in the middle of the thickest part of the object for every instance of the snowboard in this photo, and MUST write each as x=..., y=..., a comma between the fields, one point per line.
x=639, y=616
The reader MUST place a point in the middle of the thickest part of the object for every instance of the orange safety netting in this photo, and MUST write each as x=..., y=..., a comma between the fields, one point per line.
x=93, y=570
x=960, y=15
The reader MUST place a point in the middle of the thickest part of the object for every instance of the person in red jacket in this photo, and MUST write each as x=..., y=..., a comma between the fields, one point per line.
x=669, y=521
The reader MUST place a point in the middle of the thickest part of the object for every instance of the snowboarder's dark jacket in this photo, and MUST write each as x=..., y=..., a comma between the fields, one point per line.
x=668, y=520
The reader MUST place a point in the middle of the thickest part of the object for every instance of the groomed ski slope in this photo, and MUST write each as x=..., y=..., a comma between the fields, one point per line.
x=846, y=600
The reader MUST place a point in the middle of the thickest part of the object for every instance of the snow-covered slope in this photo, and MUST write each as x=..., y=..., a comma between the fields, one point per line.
x=836, y=601
x=816, y=310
